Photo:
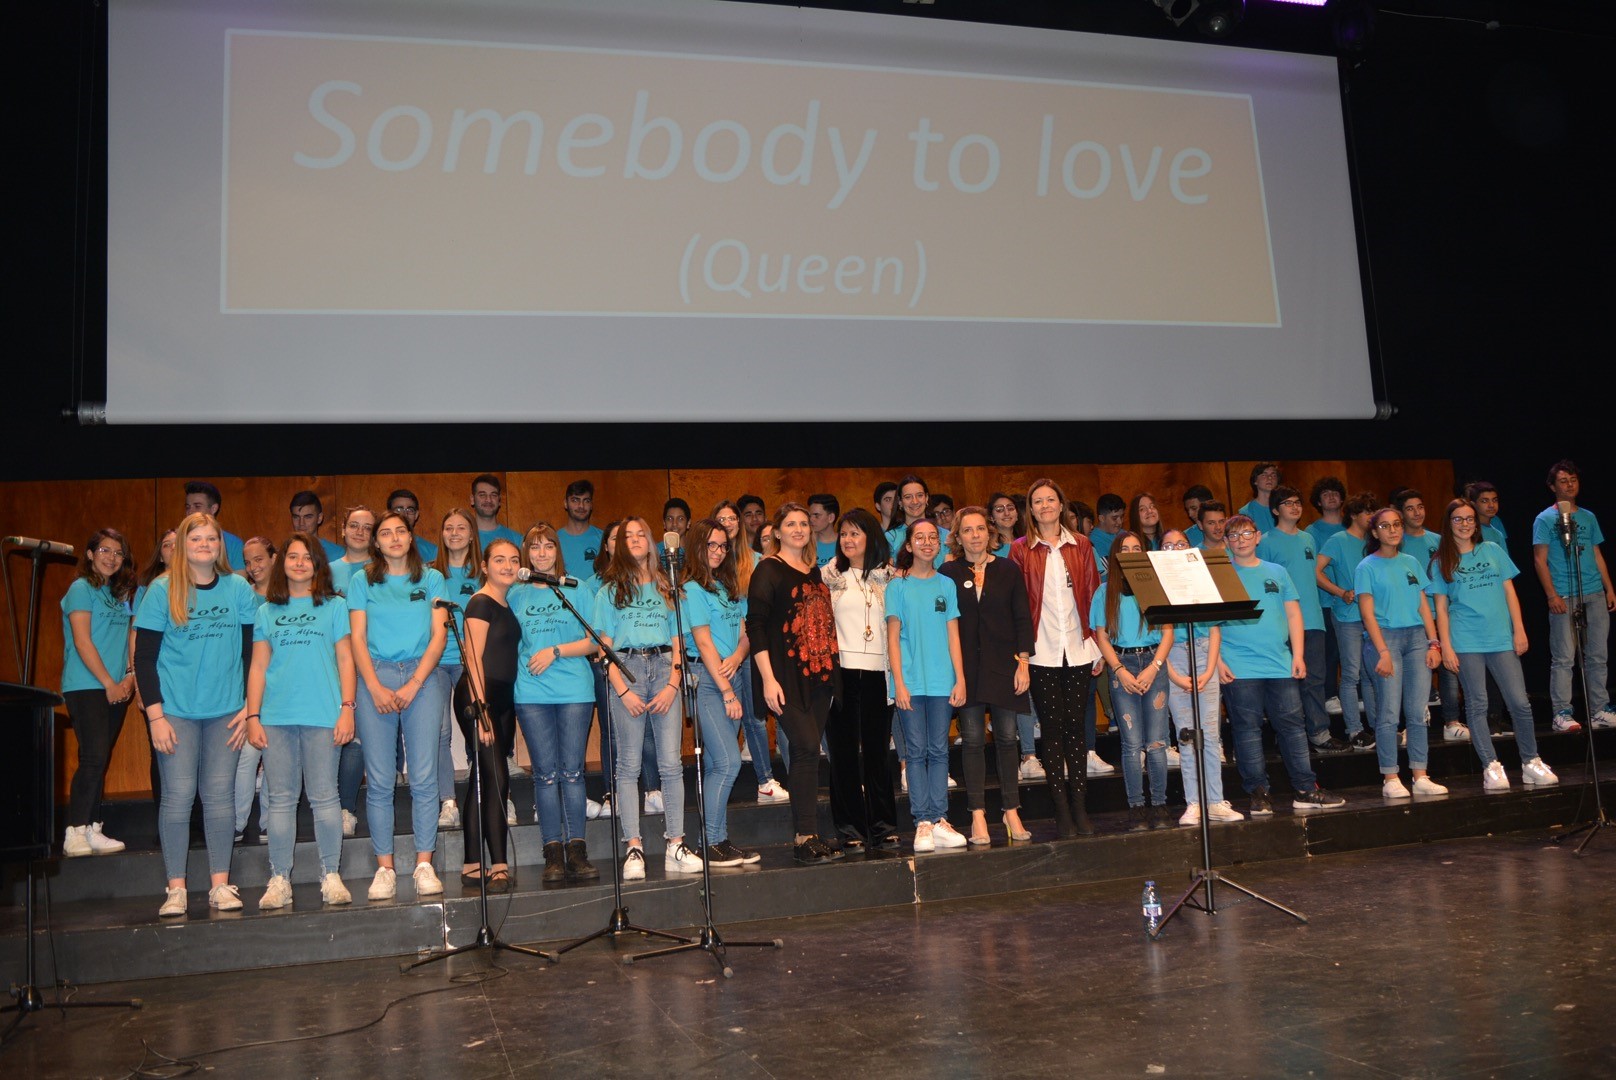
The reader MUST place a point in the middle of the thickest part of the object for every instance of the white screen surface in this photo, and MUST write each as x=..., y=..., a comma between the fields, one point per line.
x=689, y=210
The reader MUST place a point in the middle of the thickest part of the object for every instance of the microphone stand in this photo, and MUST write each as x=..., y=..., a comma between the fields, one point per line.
x=708, y=941
x=617, y=923
x=25, y=654
x=1578, y=611
x=477, y=712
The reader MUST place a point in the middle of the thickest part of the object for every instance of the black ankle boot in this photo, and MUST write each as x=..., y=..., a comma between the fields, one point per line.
x=555, y=866
x=1138, y=818
x=1077, y=793
x=1064, y=827
x=579, y=868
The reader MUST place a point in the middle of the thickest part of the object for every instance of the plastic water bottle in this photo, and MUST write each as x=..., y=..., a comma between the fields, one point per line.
x=1150, y=909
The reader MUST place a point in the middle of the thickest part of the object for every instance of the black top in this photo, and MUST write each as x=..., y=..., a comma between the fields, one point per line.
x=788, y=613
x=500, y=648
x=995, y=625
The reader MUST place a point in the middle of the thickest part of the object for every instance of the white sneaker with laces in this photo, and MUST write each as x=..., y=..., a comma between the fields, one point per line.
x=1493, y=777
x=224, y=898
x=449, y=816
x=634, y=865
x=333, y=891
x=923, y=837
x=653, y=803
x=772, y=792
x=1222, y=811
x=681, y=860
x=384, y=884
x=77, y=842
x=277, y=894
x=1402, y=738
x=1098, y=767
x=426, y=880
x=944, y=835
x=1032, y=769
x=746, y=751
x=1192, y=814
x=174, y=903
x=350, y=823
x=1604, y=719
x=1565, y=724
x=101, y=843
x=952, y=783
x=1453, y=731
x=1332, y=706
x=1535, y=773
x=1173, y=760
x=593, y=809
x=1392, y=788
x=1424, y=785
x=510, y=813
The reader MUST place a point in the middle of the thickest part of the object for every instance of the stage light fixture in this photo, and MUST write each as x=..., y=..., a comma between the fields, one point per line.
x=1214, y=18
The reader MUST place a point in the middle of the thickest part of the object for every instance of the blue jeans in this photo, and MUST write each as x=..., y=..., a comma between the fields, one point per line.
x=1143, y=720
x=301, y=758
x=1563, y=655
x=1281, y=700
x=420, y=724
x=1357, y=681
x=1318, y=718
x=720, y=753
x=202, y=762
x=925, y=739
x=1332, y=655
x=1180, y=707
x=609, y=748
x=556, y=736
x=350, y=774
x=651, y=673
x=1448, y=687
x=246, y=784
x=1505, y=668
x=1406, y=690
x=450, y=674
x=1026, y=725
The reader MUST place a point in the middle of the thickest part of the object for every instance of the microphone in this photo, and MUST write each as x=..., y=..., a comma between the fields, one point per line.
x=448, y=605
x=671, y=553
x=542, y=578
x=47, y=547
x=1568, y=527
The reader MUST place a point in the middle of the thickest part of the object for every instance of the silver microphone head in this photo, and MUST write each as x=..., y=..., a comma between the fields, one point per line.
x=670, y=542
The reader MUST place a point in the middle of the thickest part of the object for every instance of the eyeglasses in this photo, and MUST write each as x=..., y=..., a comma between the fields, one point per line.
x=1463, y=520
x=1390, y=525
x=717, y=545
x=111, y=551
x=1291, y=502
x=1176, y=545
x=1243, y=534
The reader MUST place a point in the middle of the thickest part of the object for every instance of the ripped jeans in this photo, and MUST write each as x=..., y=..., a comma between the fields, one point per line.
x=1143, y=720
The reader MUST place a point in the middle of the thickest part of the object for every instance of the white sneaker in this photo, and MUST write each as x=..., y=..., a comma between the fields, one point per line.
x=903, y=778
x=746, y=751
x=1098, y=767
x=1564, y=724
x=1192, y=814
x=1493, y=778
x=101, y=843
x=77, y=842
x=681, y=860
x=1332, y=706
x=1534, y=772
x=772, y=792
x=333, y=891
x=653, y=803
x=1222, y=811
x=634, y=864
x=1392, y=788
x=449, y=816
x=426, y=880
x=510, y=813
x=174, y=903
x=944, y=835
x=350, y=823
x=952, y=783
x=1424, y=785
x=1453, y=731
x=1173, y=760
x=923, y=837
x=384, y=884
x=1031, y=769
x=1402, y=738
x=1604, y=719
x=224, y=898
x=593, y=809
x=277, y=894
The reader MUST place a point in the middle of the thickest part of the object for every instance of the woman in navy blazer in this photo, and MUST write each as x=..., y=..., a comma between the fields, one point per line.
x=996, y=639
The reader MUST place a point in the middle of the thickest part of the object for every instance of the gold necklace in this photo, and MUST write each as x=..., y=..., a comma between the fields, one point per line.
x=869, y=603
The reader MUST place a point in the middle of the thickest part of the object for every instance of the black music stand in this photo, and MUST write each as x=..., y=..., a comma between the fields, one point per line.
x=1578, y=613
x=1159, y=610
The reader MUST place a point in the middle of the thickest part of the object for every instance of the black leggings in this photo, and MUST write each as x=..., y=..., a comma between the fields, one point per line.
x=491, y=767
x=1061, y=695
x=96, y=723
x=805, y=728
x=857, y=734
x=973, y=732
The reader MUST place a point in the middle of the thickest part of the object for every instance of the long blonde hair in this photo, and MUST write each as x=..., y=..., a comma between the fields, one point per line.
x=180, y=584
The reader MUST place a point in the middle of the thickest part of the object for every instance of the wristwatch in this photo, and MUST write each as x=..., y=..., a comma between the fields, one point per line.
x=555, y=652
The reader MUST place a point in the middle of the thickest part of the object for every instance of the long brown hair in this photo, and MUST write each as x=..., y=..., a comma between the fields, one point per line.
x=155, y=567
x=474, y=559
x=1068, y=520
x=1137, y=527
x=321, y=589
x=376, y=568
x=1116, y=583
x=180, y=584
x=1447, y=548
x=623, y=572
x=744, y=564
x=696, y=568
x=122, y=582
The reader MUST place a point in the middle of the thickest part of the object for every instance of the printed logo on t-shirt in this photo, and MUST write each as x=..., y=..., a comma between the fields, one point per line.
x=940, y=605
x=468, y=588
x=1412, y=580
x=417, y=595
x=218, y=611
x=300, y=619
x=590, y=554
x=1269, y=585
x=1308, y=554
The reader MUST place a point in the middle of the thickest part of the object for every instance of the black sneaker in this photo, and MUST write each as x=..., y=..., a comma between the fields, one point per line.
x=1317, y=799
x=1260, y=804
x=889, y=842
x=814, y=851
x=1332, y=745
x=1364, y=740
x=724, y=853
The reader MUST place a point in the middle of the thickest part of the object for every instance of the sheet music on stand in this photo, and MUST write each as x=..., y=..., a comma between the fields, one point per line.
x=1184, y=577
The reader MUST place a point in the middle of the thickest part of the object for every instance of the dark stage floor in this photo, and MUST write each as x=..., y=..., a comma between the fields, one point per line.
x=1484, y=957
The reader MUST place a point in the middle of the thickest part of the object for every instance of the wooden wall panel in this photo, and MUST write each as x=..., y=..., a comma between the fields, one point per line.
x=541, y=496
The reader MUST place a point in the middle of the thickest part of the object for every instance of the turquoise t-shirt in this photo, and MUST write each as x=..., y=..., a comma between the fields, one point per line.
x=724, y=618
x=1195, y=535
x=498, y=532
x=1261, y=648
x=1478, y=610
x=923, y=608
x=1495, y=533
x=1344, y=551
x=1321, y=532
x=233, y=553
x=895, y=539
x=459, y=585
x=109, y=633
x=1261, y=515
x=426, y=549
x=1102, y=542
x=1132, y=631
x=200, y=665
x=342, y=573
x=1002, y=551
x=1296, y=553
x=824, y=551
x=398, y=613
x=1546, y=530
x=1396, y=585
x=546, y=624
x=645, y=623
x=578, y=552
x=333, y=552
x=1420, y=548
x=302, y=686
